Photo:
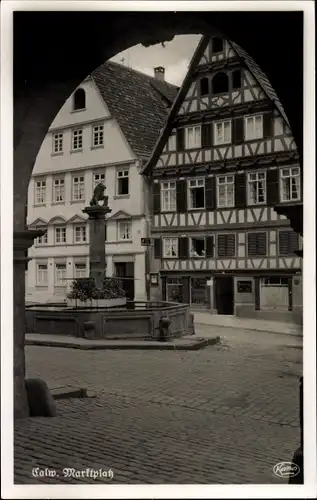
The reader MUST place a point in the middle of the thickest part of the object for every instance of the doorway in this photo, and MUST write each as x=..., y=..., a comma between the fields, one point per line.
x=224, y=295
x=125, y=271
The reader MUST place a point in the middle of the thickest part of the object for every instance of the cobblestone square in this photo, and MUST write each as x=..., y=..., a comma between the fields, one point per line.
x=225, y=414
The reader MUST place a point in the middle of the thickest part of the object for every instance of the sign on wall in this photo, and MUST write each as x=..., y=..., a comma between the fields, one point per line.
x=244, y=286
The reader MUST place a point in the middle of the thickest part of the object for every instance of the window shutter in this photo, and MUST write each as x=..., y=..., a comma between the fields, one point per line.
x=221, y=244
x=267, y=125
x=157, y=248
x=257, y=244
x=163, y=281
x=183, y=247
x=180, y=139
x=288, y=242
x=240, y=191
x=231, y=245
x=210, y=193
x=181, y=198
x=156, y=198
x=185, y=283
x=237, y=131
x=226, y=245
x=206, y=139
x=257, y=293
x=210, y=246
x=272, y=187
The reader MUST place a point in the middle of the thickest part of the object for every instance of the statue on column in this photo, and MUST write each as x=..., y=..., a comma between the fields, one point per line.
x=98, y=195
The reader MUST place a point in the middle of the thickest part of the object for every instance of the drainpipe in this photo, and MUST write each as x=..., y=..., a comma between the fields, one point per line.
x=146, y=211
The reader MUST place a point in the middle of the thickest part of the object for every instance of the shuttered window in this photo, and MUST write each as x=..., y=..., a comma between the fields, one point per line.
x=288, y=242
x=257, y=244
x=226, y=245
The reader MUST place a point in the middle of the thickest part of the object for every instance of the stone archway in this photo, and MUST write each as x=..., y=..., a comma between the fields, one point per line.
x=55, y=51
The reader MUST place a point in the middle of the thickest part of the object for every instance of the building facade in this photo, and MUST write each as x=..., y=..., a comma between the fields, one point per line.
x=98, y=136
x=225, y=159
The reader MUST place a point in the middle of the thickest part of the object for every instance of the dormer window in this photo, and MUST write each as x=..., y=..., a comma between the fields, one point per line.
x=204, y=86
x=217, y=45
x=220, y=84
x=79, y=100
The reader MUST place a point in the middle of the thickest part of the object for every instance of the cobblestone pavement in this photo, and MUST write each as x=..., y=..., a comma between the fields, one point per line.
x=226, y=414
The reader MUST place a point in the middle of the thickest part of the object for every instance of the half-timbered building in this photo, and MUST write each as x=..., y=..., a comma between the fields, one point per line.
x=225, y=158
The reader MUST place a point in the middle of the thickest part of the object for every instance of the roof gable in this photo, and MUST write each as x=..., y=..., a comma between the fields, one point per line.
x=57, y=220
x=77, y=219
x=138, y=102
x=121, y=214
x=38, y=222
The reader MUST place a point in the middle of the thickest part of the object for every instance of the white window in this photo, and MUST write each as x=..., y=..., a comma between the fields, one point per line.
x=253, y=127
x=58, y=143
x=122, y=182
x=58, y=190
x=98, y=178
x=40, y=192
x=225, y=191
x=222, y=132
x=196, y=193
x=168, y=196
x=78, y=191
x=60, y=235
x=41, y=274
x=172, y=142
x=77, y=139
x=193, y=137
x=42, y=240
x=60, y=274
x=80, y=234
x=290, y=184
x=97, y=135
x=124, y=231
x=170, y=247
x=257, y=188
x=274, y=281
x=80, y=270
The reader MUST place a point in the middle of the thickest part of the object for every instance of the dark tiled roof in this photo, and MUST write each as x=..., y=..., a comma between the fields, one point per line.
x=261, y=78
x=140, y=103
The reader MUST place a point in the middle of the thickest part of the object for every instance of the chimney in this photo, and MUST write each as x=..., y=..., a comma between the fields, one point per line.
x=159, y=73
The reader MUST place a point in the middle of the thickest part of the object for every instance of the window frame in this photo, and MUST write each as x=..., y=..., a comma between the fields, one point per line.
x=257, y=255
x=79, y=183
x=60, y=228
x=169, y=190
x=42, y=189
x=41, y=284
x=235, y=246
x=39, y=243
x=94, y=182
x=83, y=234
x=57, y=139
x=245, y=127
x=216, y=141
x=249, y=181
x=189, y=188
x=100, y=133
x=225, y=184
x=57, y=282
x=118, y=177
x=190, y=247
x=128, y=223
x=75, y=270
x=59, y=186
x=80, y=138
x=173, y=241
x=83, y=91
x=186, y=138
x=290, y=177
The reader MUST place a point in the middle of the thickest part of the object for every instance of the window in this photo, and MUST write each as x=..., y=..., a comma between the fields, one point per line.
x=97, y=135
x=79, y=99
x=217, y=45
x=204, y=86
x=225, y=191
x=193, y=137
x=170, y=247
x=42, y=240
x=124, y=231
x=40, y=192
x=257, y=188
x=99, y=178
x=290, y=184
x=226, y=244
x=77, y=139
x=274, y=281
x=236, y=79
x=60, y=235
x=198, y=247
x=58, y=190
x=41, y=275
x=196, y=188
x=60, y=274
x=172, y=142
x=220, y=84
x=78, y=191
x=257, y=244
x=123, y=182
x=80, y=234
x=58, y=143
x=222, y=132
x=168, y=196
x=288, y=242
x=80, y=270
x=174, y=290
x=253, y=127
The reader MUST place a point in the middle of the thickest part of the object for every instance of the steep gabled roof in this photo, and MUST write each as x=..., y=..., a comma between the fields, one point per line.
x=245, y=59
x=140, y=103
